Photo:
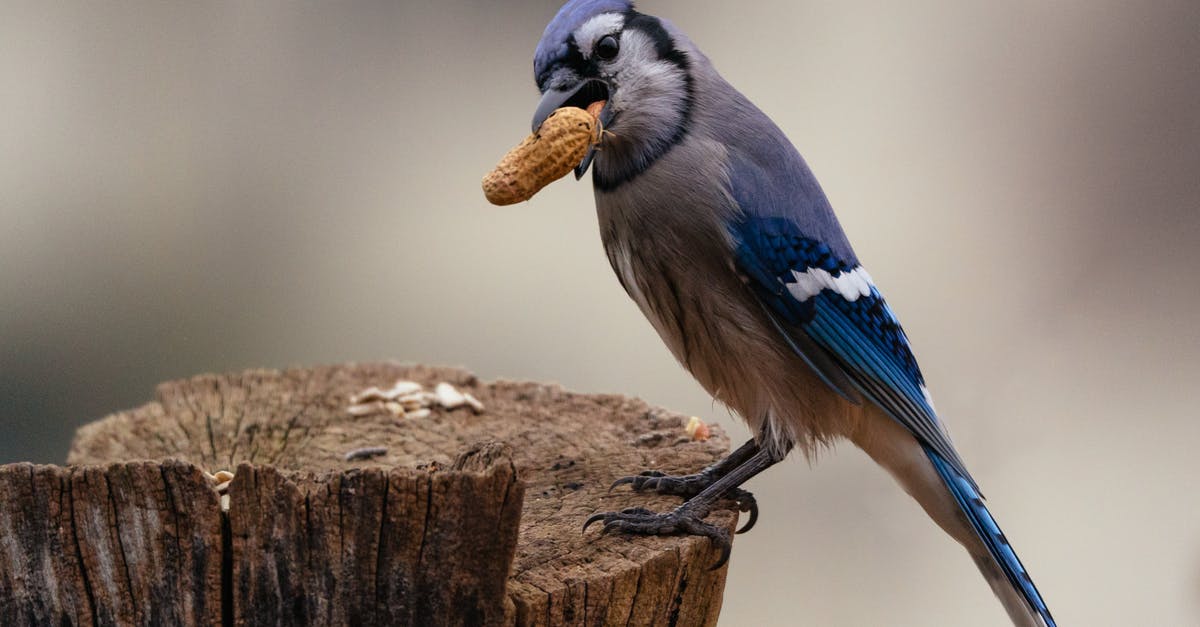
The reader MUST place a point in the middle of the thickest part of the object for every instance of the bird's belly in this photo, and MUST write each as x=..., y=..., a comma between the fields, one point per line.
x=711, y=323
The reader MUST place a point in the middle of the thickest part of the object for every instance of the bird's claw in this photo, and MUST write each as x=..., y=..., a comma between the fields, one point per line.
x=639, y=482
x=746, y=503
x=594, y=518
x=688, y=486
x=682, y=520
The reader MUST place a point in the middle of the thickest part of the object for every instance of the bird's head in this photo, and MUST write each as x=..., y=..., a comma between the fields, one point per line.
x=597, y=50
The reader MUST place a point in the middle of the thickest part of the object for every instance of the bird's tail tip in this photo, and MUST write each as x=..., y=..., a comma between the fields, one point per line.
x=1000, y=566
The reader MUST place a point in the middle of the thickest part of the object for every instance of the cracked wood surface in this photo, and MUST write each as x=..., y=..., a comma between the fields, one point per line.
x=136, y=543
x=315, y=539
x=375, y=546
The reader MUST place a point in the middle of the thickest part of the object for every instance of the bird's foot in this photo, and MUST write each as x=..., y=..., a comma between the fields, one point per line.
x=688, y=486
x=684, y=519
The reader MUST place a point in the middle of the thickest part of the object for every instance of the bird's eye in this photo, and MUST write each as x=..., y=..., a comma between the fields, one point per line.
x=607, y=48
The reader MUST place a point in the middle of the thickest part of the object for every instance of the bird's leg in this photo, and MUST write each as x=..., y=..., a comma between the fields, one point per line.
x=689, y=517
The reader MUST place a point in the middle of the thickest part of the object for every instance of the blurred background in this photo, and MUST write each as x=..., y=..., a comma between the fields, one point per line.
x=205, y=187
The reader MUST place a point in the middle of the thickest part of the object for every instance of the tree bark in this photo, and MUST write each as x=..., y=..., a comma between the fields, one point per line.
x=460, y=518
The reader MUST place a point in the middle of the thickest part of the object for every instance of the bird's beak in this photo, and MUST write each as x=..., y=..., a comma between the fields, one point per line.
x=580, y=95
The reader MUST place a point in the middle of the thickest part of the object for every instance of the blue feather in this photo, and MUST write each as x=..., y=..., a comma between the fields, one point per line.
x=861, y=334
x=971, y=503
x=864, y=338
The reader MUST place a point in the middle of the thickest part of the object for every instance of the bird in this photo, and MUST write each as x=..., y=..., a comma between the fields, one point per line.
x=718, y=230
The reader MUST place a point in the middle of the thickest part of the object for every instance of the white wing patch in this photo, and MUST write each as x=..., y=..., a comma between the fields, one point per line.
x=851, y=285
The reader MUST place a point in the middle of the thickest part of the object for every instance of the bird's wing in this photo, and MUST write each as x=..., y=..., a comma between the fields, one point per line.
x=830, y=312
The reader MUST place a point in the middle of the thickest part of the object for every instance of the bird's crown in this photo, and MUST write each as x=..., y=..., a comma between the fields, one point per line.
x=556, y=40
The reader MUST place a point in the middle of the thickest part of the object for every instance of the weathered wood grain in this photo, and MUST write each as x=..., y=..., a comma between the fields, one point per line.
x=126, y=544
x=467, y=519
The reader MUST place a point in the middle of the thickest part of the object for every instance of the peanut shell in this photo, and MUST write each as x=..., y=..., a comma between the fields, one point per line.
x=544, y=157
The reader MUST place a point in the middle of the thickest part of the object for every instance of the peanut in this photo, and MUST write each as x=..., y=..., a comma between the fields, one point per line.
x=595, y=108
x=544, y=157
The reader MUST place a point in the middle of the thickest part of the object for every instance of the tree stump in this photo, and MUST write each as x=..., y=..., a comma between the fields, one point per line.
x=462, y=518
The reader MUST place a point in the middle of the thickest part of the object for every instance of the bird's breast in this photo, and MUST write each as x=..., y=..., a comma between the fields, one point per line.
x=665, y=234
x=671, y=253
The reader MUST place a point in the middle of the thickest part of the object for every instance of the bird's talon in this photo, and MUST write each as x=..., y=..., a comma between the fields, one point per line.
x=645, y=480
x=688, y=486
x=594, y=518
x=753, y=518
x=726, y=549
x=745, y=503
x=620, y=482
x=682, y=520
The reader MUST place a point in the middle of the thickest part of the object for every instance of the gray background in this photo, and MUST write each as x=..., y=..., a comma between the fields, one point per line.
x=193, y=187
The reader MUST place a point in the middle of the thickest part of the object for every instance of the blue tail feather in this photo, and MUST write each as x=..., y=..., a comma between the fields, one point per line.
x=971, y=503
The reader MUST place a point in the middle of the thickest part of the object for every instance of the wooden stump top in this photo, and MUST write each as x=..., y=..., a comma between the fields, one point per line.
x=287, y=434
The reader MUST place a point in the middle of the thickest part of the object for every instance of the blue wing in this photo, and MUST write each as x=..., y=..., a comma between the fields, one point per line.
x=793, y=253
x=790, y=248
x=824, y=303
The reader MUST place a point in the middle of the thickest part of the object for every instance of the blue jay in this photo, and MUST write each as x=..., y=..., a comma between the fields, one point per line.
x=719, y=232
